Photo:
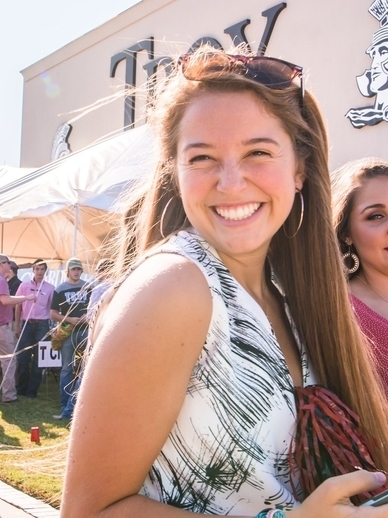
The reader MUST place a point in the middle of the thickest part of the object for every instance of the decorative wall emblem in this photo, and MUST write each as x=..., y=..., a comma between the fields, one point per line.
x=60, y=146
x=374, y=81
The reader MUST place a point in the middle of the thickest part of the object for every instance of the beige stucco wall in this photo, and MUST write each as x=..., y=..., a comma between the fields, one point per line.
x=327, y=37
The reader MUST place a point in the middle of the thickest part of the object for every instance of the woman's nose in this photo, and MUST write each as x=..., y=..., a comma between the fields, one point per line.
x=231, y=178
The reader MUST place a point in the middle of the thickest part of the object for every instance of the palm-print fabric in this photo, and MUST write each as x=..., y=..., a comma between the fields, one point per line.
x=227, y=453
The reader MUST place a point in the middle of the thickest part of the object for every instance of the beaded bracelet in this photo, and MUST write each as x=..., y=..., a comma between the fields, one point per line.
x=270, y=513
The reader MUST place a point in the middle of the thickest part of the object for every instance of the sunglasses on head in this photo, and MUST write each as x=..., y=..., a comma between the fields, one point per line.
x=271, y=72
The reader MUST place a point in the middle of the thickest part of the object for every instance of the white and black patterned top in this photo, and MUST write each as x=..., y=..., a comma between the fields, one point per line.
x=227, y=453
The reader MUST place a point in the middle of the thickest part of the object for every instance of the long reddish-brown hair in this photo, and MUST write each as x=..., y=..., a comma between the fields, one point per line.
x=309, y=265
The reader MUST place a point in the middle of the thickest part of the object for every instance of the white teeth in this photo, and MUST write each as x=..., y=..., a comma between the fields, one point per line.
x=239, y=212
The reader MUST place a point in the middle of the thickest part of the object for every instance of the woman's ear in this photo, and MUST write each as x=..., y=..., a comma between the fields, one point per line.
x=300, y=177
x=299, y=184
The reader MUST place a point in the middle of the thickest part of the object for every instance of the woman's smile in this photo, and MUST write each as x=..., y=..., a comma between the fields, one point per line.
x=239, y=212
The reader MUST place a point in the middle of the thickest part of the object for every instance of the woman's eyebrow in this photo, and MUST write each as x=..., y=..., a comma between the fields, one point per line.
x=260, y=140
x=197, y=145
x=373, y=206
x=249, y=142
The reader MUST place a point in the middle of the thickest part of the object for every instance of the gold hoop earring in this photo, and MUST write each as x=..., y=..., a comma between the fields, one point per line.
x=164, y=215
x=354, y=257
x=301, y=216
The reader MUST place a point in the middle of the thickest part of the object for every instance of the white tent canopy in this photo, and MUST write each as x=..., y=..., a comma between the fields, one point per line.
x=60, y=210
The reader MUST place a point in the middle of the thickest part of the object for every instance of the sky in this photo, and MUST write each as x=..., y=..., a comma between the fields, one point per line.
x=29, y=31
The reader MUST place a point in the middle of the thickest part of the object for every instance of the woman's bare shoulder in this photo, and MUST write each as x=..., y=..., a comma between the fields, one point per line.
x=166, y=290
x=164, y=276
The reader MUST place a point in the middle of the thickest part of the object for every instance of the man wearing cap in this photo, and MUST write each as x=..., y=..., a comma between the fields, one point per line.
x=32, y=324
x=70, y=302
x=7, y=359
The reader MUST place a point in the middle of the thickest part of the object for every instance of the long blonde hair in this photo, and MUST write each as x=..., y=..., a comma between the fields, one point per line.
x=308, y=265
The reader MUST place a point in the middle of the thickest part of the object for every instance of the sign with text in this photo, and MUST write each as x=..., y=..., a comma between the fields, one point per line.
x=48, y=357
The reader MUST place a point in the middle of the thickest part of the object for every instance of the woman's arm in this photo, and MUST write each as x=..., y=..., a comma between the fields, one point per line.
x=151, y=335
x=134, y=385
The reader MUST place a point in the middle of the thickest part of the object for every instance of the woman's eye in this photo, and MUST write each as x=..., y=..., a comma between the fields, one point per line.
x=375, y=215
x=259, y=152
x=199, y=158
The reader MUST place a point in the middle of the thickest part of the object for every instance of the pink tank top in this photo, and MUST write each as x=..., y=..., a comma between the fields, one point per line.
x=375, y=327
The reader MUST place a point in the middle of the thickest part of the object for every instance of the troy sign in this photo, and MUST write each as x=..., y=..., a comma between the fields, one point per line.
x=129, y=55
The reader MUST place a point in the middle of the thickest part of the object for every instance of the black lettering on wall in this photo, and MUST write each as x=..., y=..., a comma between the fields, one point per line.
x=130, y=57
x=236, y=33
x=272, y=15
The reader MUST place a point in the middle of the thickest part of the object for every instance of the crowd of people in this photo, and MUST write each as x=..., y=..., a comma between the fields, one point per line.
x=238, y=348
x=30, y=312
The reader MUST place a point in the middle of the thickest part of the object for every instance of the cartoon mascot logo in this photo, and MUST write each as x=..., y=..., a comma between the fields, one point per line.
x=374, y=81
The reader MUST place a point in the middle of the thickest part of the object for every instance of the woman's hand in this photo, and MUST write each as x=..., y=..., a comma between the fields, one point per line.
x=332, y=498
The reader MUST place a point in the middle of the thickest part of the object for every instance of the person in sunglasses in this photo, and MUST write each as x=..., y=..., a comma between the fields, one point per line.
x=226, y=373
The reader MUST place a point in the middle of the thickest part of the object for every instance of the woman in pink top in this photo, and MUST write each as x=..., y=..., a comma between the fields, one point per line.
x=360, y=205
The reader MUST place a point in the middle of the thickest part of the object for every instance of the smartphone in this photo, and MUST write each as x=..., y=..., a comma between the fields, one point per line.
x=380, y=499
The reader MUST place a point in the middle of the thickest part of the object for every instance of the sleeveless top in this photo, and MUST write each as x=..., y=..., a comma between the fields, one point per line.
x=375, y=328
x=228, y=450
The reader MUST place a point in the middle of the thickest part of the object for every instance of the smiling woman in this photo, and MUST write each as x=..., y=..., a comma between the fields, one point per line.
x=237, y=174
x=219, y=324
x=360, y=196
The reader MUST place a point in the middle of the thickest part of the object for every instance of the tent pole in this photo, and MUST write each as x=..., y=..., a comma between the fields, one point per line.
x=76, y=215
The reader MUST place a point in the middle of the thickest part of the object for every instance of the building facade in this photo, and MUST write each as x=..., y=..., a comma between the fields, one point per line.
x=81, y=93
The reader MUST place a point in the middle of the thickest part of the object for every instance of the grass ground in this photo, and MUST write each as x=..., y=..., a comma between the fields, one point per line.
x=35, y=468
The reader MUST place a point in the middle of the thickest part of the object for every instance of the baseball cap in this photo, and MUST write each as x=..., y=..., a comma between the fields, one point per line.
x=4, y=259
x=73, y=262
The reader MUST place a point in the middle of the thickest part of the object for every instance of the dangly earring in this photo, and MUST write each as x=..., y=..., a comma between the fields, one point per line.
x=355, y=259
x=301, y=216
